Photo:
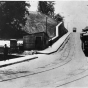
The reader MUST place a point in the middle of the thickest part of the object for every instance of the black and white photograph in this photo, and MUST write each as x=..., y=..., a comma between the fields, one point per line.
x=44, y=44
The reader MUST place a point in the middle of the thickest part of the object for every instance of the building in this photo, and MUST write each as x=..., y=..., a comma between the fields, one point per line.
x=35, y=41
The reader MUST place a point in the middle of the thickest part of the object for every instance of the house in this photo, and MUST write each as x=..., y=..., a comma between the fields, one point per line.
x=35, y=41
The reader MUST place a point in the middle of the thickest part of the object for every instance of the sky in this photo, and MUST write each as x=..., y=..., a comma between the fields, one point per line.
x=75, y=12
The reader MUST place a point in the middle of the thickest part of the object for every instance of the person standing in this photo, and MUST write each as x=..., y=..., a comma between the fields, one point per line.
x=5, y=51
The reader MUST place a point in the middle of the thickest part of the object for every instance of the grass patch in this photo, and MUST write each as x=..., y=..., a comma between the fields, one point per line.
x=3, y=58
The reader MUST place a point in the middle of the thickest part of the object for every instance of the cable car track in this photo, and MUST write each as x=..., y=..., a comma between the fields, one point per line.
x=40, y=71
x=77, y=74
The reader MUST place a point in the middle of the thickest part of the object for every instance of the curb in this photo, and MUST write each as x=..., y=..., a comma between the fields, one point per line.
x=4, y=65
x=57, y=48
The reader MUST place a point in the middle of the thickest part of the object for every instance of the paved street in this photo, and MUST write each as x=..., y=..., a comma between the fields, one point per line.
x=68, y=67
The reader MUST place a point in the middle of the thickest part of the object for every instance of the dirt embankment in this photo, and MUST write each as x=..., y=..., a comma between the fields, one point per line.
x=37, y=23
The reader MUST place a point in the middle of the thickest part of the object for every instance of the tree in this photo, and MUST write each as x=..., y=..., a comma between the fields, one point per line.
x=46, y=7
x=58, y=17
x=12, y=17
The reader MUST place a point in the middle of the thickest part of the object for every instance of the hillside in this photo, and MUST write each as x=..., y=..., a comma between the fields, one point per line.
x=37, y=23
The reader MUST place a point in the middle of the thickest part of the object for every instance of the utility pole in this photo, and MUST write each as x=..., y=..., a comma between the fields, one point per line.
x=46, y=25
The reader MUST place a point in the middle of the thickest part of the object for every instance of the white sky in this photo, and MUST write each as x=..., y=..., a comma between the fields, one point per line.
x=75, y=12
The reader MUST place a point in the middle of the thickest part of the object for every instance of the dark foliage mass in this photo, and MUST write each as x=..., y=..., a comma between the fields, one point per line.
x=12, y=18
x=46, y=7
x=58, y=17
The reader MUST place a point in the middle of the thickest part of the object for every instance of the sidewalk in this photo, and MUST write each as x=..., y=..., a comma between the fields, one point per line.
x=55, y=46
x=49, y=50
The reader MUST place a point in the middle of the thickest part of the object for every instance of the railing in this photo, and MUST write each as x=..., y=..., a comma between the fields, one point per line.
x=57, y=31
x=58, y=35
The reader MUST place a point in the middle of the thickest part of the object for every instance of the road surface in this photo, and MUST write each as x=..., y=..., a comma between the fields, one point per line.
x=68, y=67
